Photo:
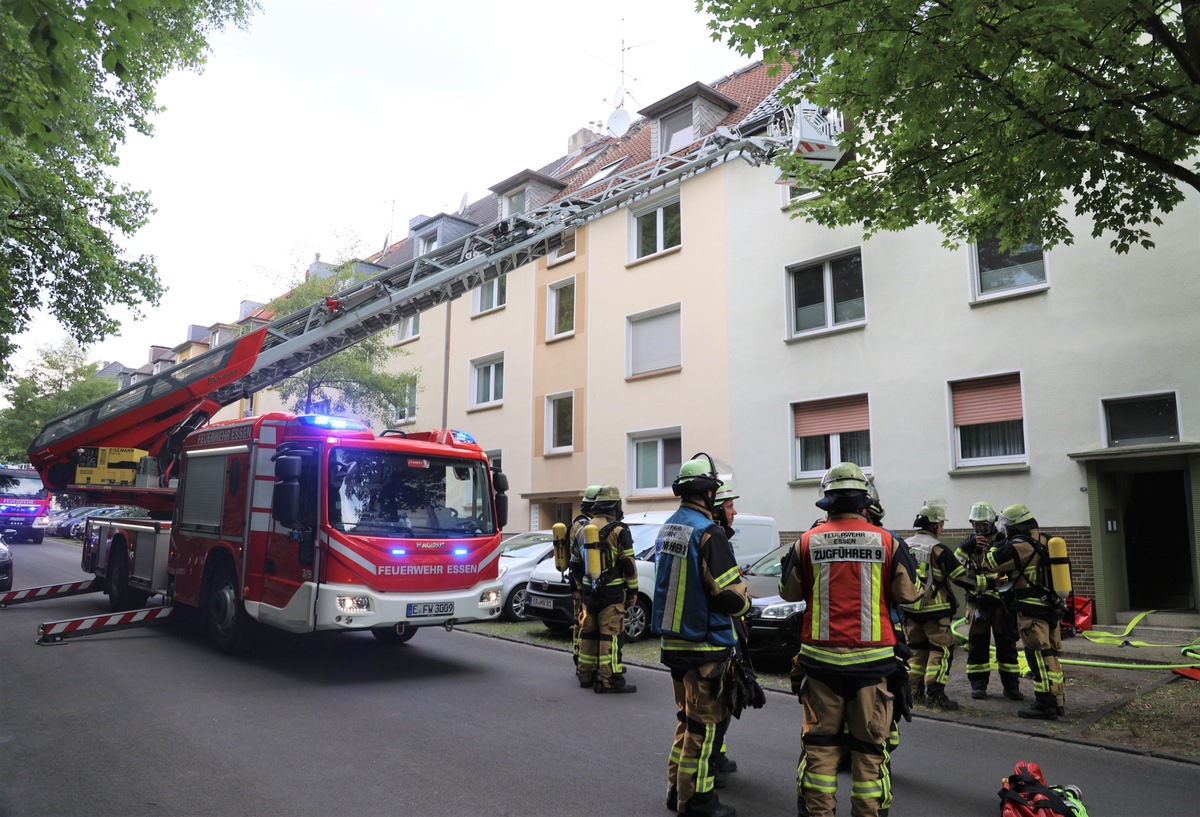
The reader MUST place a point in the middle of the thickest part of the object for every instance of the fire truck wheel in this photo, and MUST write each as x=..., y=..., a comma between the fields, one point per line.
x=116, y=585
x=388, y=635
x=224, y=617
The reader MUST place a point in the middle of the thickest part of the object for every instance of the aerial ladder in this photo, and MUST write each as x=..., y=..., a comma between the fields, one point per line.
x=158, y=413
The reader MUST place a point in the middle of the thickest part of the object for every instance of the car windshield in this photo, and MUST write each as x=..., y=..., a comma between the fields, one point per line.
x=643, y=540
x=525, y=545
x=21, y=485
x=384, y=493
x=769, y=565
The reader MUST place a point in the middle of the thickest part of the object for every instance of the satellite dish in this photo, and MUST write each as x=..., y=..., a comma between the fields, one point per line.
x=618, y=122
x=462, y=205
x=618, y=96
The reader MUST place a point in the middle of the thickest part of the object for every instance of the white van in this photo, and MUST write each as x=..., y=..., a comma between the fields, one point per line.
x=754, y=536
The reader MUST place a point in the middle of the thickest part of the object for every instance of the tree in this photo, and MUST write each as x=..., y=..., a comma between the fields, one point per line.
x=354, y=380
x=59, y=381
x=74, y=77
x=983, y=114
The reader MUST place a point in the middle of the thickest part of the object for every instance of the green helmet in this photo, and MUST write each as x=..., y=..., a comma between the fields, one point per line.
x=1016, y=514
x=875, y=509
x=697, y=475
x=589, y=496
x=982, y=512
x=606, y=493
x=725, y=492
x=845, y=476
x=930, y=515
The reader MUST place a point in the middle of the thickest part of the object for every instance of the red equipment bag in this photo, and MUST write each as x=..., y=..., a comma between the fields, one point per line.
x=1080, y=611
x=1025, y=794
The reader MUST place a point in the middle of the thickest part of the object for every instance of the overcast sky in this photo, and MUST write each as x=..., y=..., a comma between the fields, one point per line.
x=329, y=121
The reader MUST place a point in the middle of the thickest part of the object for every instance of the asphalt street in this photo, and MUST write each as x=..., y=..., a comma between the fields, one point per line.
x=155, y=722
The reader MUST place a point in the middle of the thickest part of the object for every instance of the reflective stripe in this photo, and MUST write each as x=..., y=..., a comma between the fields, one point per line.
x=842, y=659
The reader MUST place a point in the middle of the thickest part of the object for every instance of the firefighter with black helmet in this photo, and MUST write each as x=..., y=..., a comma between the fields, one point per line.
x=607, y=585
x=698, y=591
x=1023, y=555
x=849, y=572
x=575, y=569
x=927, y=620
x=990, y=618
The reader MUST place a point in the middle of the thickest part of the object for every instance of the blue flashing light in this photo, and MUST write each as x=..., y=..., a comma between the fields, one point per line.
x=331, y=423
x=462, y=436
x=460, y=551
x=398, y=551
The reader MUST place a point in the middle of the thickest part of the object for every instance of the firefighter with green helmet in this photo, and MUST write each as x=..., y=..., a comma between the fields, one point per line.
x=927, y=619
x=575, y=536
x=724, y=512
x=698, y=591
x=990, y=618
x=608, y=584
x=849, y=572
x=1023, y=554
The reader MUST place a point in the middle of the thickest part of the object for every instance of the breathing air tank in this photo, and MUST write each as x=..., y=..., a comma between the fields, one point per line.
x=562, y=552
x=591, y=538
x=1060, y=565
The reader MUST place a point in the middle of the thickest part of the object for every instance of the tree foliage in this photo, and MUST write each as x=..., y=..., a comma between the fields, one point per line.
x=59, y=381
x=983, y=114
x=74, y=77
x=354, y=381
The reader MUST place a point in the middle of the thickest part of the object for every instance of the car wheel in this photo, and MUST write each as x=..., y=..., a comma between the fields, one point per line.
x=225, y=618
x=116, y=586
x=389, y=636
x=37, y=536
x=514, y=605
x=637, y=620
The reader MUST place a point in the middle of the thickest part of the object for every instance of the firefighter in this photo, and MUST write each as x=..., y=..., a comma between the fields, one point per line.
x=605, y=596
x=991, y=618
x=724, y=513
x=576, y=567
x=698, y=590
x=927, y=620
x=849, y=572
x=1024, y=556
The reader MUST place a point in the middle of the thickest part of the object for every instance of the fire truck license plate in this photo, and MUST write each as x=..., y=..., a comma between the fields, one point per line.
x=434, y=608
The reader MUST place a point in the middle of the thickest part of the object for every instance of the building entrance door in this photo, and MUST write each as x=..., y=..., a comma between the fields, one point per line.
x=1158, y=546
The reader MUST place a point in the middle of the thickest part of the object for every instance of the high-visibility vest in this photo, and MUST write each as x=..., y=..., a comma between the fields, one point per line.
x=682, y=614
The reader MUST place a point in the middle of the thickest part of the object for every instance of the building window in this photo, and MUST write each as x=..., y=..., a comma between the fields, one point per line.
x=560, y=308
x=656, y=457
x=794, y=194
x=999, y=273
x=827, y=295
x=1140, y=420
x=406, y=403
x=514, y=203
x=566, y=251
x=408, y=329
x=654, y=341
x=605, y=172
x=560, y=422
x=676, y=130
x=989, y=425
x=427, y=243
x=491, y=294
x=487, y=381
x=494, y=459
x=657, y=229
x=831, y=431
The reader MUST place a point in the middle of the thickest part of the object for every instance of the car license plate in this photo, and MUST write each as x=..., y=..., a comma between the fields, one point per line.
x=432, y=608
x=539, y=601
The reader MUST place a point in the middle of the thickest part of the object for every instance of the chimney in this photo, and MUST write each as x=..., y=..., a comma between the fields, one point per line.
x=580, y=138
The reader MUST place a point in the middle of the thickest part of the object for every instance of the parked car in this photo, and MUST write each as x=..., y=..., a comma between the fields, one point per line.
x=6, y=560
x=519, y=555
x=772, y=624
x=60, y=522
x=753, y=538
x=80, y=524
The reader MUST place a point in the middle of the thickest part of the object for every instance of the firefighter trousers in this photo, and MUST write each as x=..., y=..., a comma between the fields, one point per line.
x=700, y=710
x=1043, y=642
x=932, y=643
x=601, y=635
x=990, y=621
x=865, y=707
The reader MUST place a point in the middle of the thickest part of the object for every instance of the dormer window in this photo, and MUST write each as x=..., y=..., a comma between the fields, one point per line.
x=427, y=243
x=514, y=203
x=676, y=130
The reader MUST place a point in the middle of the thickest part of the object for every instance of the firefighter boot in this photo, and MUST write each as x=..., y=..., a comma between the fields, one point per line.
x=979, y=691
x=618, y=685
x=721, y=766
x=707, y=805
x=672, y=800
x=936, y=698
x=918, y=691
x=1044, y=707
x=1013, y=692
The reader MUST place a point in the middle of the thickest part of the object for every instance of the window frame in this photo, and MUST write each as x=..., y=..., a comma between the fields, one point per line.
x=550, y=423
x=658, y=209
x=488, y=362
x=408, y=329
x=553, y=291
x=660, y=436
x=499, y=289
x=630, y=349
x=406, y=404
x=834, y=438
x=670, y=128
x=512, y=196
x=827, y=263
x=980, y=295
x=962, y=462
x=427, y=243
x=565, y=252
x=1106, y=418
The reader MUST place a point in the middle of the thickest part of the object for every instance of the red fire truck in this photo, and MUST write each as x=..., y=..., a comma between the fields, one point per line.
x=24, y=504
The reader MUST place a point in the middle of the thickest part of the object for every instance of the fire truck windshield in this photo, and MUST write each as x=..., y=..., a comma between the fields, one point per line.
x=382, y=493
x=21, y=484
